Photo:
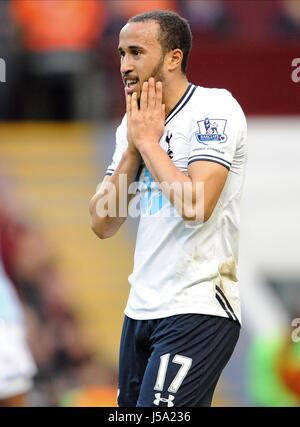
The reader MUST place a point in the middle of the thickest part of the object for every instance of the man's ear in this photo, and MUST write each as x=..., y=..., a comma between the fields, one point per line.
x=175, y=59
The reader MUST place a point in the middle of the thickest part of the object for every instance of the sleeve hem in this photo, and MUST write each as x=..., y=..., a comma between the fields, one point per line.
x=219, y=161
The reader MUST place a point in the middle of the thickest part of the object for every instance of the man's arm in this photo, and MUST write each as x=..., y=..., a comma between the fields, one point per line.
x=105, y=207
x=191, y=201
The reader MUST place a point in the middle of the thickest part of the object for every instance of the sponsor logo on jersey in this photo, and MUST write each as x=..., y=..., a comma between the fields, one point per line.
x=159, y=399
x=211, y=130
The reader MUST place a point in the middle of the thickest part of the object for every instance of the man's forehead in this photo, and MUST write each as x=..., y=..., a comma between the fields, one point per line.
x=139, y=33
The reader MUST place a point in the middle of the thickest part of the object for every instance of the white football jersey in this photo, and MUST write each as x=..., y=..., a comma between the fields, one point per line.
x=180, y=268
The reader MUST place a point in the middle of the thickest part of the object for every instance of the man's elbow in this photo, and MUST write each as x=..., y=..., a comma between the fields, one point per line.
x=195, y=214
x=100, y=229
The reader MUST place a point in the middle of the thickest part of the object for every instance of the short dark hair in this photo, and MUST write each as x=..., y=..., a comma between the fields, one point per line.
x=175, y=32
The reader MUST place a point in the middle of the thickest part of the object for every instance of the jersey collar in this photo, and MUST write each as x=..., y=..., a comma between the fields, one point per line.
x=181, y=103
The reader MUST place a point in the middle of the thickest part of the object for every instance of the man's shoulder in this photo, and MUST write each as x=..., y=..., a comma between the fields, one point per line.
x=212, y=95
x=211, y=101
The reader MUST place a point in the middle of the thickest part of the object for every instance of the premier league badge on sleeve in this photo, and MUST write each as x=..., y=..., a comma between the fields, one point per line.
x=211, y=130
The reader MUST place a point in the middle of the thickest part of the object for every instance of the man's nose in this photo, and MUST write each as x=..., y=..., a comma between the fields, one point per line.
x=126, y=65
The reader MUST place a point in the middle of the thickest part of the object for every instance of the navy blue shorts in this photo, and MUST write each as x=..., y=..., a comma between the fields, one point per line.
x=174, y=361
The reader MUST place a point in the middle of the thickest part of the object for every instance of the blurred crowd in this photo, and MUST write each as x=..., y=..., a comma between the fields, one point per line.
x=65, y=361
x=61, y=56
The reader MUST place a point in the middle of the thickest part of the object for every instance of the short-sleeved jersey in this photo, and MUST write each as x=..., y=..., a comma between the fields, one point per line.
x=179, y=268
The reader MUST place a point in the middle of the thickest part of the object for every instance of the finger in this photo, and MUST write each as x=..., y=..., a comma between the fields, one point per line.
x=128, y=103
x=163, y=109
x=144, y=97
x=134, y=104
x=151, y=93
x=158, y=95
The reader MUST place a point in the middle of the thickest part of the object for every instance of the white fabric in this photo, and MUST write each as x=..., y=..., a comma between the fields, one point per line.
x=16, y=364
x=10, y=308
x=179, y=268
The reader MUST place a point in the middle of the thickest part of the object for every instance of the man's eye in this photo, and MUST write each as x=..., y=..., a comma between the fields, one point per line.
x=136, y=52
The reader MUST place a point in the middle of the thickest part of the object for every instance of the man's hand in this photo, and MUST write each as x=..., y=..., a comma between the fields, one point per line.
x=145, y=124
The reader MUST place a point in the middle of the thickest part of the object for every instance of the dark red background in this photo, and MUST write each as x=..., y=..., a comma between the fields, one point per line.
x=259, y=76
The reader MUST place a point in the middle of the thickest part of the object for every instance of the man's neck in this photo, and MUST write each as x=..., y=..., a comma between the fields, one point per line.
x=173, y=91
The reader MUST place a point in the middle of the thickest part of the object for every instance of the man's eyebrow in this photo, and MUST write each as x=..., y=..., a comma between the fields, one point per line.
x=131, y=47
x=136, y=47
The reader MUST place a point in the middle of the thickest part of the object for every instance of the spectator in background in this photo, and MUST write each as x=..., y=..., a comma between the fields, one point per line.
x=56, y=339
x=10, y=54
x=54, y=336
x=286, y=22
x=17, y=366
x=210, y=18
x=59, y=37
